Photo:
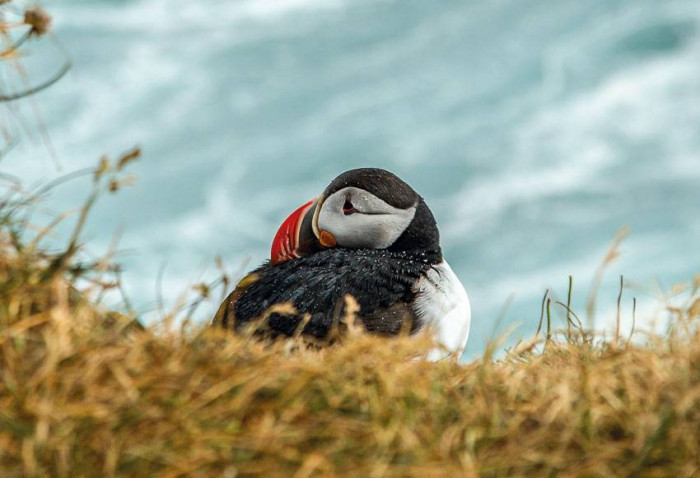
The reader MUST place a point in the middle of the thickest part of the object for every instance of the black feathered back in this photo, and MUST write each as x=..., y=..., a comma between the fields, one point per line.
x=381, y=281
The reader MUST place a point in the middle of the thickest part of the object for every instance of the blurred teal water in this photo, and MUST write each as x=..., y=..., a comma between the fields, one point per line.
x=535, y=130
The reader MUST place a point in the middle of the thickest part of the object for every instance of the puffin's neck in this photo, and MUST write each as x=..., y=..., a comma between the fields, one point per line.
x=421, y=236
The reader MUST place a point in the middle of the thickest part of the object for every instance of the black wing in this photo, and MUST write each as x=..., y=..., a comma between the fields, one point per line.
x=380, y=281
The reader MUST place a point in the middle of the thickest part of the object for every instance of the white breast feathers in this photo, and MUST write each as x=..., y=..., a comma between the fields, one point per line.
x=442, y=304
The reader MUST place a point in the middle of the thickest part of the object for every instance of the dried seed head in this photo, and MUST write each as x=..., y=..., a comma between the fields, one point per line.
x=128, y=157
x=38, y=20
x=202, y=289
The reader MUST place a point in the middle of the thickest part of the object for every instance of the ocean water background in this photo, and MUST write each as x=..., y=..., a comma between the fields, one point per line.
x=535, y=131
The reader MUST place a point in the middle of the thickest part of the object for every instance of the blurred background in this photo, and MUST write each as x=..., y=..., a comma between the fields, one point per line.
x=535, y=131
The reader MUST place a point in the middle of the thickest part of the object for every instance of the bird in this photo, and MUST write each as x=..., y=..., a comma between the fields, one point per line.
x=369, y=236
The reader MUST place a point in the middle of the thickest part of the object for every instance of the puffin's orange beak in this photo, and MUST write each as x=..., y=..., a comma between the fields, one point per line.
x=295, y=236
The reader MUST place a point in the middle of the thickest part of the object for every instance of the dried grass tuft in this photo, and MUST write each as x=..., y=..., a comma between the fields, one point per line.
x=38, y=20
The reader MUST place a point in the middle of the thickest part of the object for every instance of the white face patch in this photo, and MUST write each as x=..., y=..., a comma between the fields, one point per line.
x=359, y=219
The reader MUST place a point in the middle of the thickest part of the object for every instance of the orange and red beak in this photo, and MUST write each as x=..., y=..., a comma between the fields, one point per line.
x=295, y=237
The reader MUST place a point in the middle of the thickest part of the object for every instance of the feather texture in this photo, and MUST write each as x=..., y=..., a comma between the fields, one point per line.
x=381, y=281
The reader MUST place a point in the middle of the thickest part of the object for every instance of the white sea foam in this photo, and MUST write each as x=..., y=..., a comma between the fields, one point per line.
x=172, y=16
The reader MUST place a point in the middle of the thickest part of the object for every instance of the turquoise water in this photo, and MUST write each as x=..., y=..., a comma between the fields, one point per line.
x=535, y=130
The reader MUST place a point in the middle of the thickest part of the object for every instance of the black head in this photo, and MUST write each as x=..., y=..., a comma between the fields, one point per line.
x=363, y=208
x=373, y=208
x=379, y=182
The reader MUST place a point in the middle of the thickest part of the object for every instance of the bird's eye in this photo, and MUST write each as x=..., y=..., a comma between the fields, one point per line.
x=348, y=208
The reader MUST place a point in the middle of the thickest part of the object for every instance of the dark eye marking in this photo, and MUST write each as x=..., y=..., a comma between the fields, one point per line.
x=348, y=208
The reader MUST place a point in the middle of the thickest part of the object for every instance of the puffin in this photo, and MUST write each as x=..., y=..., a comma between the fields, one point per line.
x=369, y=236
